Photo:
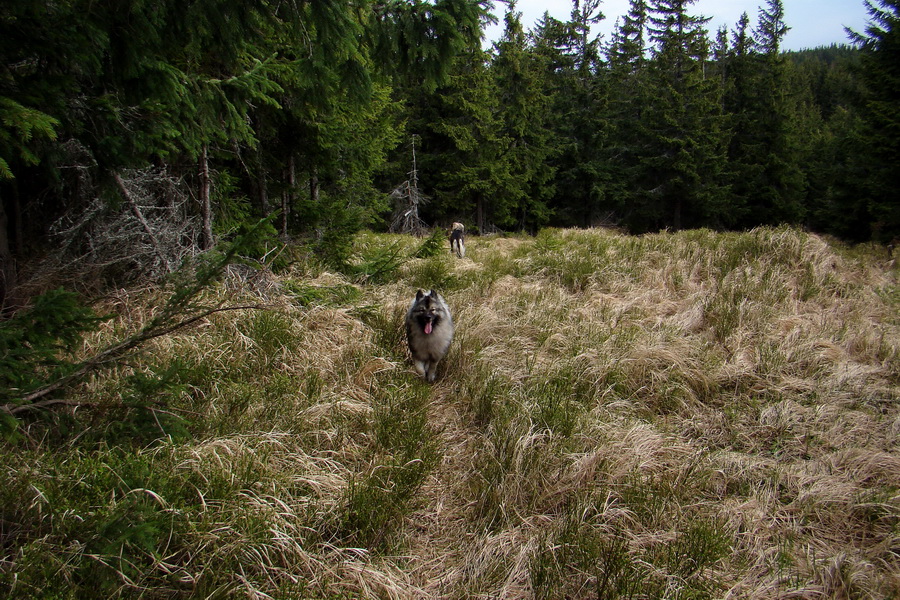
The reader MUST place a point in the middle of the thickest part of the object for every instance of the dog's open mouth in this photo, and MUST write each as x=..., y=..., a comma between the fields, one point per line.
x=428, y=326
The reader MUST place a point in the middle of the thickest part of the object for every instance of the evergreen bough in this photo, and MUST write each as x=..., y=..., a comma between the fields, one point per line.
x=37, y=346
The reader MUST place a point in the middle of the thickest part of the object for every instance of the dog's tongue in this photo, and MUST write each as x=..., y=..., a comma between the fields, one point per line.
x=427, y=327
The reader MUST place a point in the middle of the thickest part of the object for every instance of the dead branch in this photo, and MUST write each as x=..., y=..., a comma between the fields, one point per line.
x=136, y=210
x=95, y=242
x=110, y=354
x=407, y=199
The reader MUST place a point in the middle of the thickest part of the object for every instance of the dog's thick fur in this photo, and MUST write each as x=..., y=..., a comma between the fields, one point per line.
x=458, y=240
x=429, y=331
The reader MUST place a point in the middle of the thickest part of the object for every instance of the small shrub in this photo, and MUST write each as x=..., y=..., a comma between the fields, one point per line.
x=272, y=333
x=387, y=327
x=144, y=412
x=485, y=392
x=432, y=246
x=574, y=261
x=434, y=273
x=559, y=399
x=582, y=558
x=377, y=501
x=401, y=421
x=379, y=264
x=37, y=346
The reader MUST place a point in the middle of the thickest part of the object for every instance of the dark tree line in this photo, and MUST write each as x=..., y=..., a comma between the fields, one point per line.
x=192, y=119
x=669, y=125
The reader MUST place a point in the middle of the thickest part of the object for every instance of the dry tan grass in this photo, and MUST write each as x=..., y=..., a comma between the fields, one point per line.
x=684, y=414
x=760, y=413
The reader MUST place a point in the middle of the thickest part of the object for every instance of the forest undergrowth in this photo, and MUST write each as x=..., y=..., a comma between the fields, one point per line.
x=676, y=415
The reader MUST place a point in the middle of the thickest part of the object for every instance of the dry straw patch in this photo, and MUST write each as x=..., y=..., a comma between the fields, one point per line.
x=688, y=414
x=757, y=356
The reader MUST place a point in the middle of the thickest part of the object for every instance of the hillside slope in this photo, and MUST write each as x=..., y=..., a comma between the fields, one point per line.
x=693, y=415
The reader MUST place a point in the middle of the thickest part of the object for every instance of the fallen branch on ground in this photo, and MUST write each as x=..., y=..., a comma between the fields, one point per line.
x=111, y=354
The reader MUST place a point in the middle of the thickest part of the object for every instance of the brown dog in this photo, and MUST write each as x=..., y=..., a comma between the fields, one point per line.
x=457, y=240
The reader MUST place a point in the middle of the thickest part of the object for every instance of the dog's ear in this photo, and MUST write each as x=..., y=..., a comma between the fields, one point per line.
x=419, y=294
x=434, y=294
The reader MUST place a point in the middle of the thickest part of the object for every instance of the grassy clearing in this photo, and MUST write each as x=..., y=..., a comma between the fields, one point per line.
x=681, y=415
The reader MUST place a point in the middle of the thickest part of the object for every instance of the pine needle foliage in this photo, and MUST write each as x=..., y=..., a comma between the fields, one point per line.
x=38, y=344
x=433, y=245
x=44, y=338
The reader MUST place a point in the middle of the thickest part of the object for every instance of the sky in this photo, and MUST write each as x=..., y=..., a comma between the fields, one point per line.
x=813, y=22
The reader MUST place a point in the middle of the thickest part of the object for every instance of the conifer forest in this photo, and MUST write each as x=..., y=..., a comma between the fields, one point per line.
x=134, y=133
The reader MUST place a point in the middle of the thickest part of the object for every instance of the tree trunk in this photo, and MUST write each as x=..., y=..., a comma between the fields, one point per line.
x=261, y=188
x=7, y=263
x=314, y=187
x=206, y=235
x=479, y=214
x=287, y=196
x=18, y=227
x=314, y=190
x=676, y=216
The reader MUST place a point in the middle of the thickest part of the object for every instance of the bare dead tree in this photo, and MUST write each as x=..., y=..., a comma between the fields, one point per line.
x=100, y=242
x=287, y=194
x=206, y=237
x=139, y=215
x=407, y=199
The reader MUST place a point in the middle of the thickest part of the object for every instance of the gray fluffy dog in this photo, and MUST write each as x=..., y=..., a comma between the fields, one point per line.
x=429, y=331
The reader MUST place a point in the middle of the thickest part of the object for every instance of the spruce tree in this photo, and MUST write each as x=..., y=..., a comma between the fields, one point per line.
x=415, y=41
x=881, y=72
x=835, y=145
x=684, y=161
x=520, y=201
x=629, y=100
x=464, y=143
x=334, y=122
x=579, y=115
x=742, y=91
x=779, y=189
